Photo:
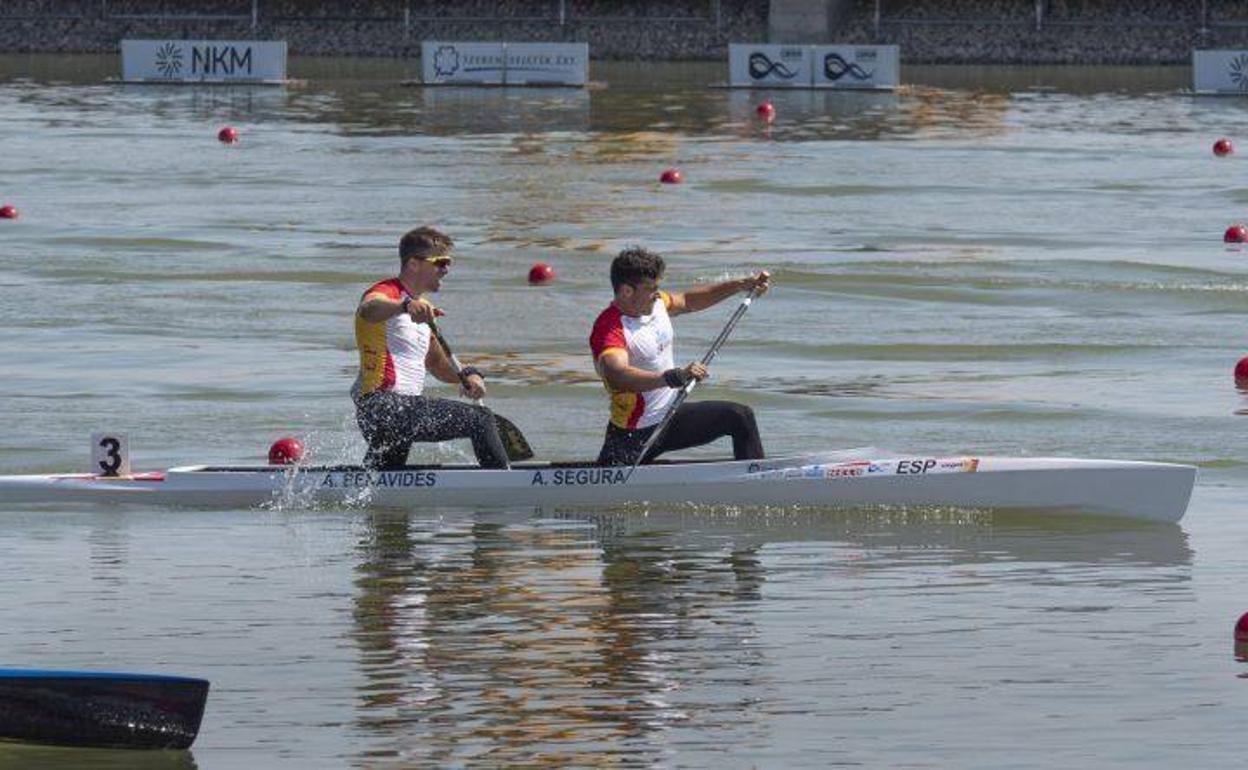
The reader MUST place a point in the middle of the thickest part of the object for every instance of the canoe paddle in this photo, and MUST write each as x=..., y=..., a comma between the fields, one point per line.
x=514, y=442
x=689, y=386
x=100, y=709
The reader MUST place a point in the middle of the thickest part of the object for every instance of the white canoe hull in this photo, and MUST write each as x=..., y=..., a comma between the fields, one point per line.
x=1140, y=490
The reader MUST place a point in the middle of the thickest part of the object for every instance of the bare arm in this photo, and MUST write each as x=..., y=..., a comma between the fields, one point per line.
x=614, y=367
x=702, y=297
x=438, y=363
x=376, y=308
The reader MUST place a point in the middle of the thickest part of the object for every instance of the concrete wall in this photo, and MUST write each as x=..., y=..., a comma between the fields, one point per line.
x=800, y=21
x=614, y=29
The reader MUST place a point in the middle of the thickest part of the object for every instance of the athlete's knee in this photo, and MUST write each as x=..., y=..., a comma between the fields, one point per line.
x=482, y=418
x=746, y=443
x=742, y=414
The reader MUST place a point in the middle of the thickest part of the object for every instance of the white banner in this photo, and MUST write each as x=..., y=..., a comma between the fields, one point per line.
x=856, y=66
x=203, y=61
x=769, y=65
x=1220, y=72
x=504, y=63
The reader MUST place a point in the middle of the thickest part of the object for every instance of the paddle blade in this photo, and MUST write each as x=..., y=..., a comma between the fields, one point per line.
x=76, y=708
x=514, y=442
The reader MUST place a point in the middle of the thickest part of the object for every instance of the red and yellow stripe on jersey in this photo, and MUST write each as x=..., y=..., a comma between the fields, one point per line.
x=648, y=342
x=392, y=352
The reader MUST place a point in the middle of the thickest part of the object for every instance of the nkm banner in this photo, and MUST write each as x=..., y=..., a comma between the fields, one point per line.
x=871, y=67
x=203, y=61
x=1220, y=72
x=444, y=63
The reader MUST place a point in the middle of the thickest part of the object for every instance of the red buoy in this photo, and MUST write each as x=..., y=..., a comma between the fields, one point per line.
x=671, y=176
x=228, y=135
x=286, y=451
x=1241, y=374
x=541, y=273
x=1241, y=637
x=1223, y=147
x=766, y=112
x=1235, y=234
x=8, y=212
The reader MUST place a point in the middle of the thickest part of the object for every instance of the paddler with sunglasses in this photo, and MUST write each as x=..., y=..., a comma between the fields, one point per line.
x=397, y=350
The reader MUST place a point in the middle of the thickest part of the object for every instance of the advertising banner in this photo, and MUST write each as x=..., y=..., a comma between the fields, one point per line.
x=769, y=65
x=469, y=63
x=203, y=61
x=1220, y=72
x=547, y=63
x=856, y=66
x=448, y=63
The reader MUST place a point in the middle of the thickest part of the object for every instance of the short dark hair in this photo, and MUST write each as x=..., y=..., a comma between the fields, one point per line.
x=424, y=243
x=633, y=264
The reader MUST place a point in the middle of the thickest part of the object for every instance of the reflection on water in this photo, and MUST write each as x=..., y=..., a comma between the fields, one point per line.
x=447, y=110
x=369, y=98
x=1070, y=80
x=509, y=644
x=962, y=536
x=580, y=638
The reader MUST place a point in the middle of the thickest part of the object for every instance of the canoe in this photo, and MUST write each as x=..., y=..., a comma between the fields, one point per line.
x=842, y=479
x=100, y=709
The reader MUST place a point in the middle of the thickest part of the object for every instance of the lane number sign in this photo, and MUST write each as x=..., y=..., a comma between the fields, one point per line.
x=110, y=454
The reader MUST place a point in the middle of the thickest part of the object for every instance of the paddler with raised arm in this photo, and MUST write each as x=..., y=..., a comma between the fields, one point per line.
x=397, y=350
x=631, y=343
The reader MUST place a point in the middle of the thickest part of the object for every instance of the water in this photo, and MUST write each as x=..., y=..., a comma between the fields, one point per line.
x=990, y=261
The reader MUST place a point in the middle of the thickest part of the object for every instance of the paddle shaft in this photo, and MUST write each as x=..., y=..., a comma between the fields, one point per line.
x=689, y=386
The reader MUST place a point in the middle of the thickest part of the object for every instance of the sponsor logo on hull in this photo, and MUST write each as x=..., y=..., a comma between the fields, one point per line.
x=917, y=466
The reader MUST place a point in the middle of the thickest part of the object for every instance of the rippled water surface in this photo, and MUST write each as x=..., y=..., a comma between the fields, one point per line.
x=989, y=261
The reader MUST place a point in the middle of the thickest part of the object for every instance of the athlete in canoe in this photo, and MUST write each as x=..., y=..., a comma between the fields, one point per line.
x=397, y=350
x=632, y=347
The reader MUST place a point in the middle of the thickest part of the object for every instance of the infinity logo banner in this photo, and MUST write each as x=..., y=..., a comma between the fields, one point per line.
x=836, y=67
x=762, y=66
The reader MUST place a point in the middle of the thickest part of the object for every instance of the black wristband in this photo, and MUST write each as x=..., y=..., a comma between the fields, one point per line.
x=468, y=371
x=675, y=378
x=406, y=305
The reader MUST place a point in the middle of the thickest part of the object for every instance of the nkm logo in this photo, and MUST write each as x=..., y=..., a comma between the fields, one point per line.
x=224, y=60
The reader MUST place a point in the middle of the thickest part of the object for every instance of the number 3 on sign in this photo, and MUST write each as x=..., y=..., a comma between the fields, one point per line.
x=110, y=454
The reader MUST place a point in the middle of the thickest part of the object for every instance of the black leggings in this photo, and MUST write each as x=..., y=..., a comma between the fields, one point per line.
x=693, y=425
x=392, y=422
